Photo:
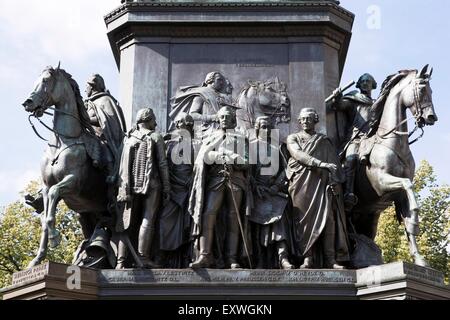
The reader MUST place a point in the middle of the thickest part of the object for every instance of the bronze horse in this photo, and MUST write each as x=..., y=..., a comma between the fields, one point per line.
x=67, y=171
x=388, y=176
x=259, y=98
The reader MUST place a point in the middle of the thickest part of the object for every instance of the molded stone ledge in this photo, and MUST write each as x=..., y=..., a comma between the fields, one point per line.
x=391, y=281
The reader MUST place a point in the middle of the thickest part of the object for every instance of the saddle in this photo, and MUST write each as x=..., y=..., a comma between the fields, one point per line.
x=366, y=147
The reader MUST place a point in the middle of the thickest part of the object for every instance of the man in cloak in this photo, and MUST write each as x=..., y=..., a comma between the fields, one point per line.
x=315, y=178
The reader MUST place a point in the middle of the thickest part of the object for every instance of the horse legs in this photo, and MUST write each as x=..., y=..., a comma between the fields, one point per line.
x=391, y=183
x=55, y=193
x=42, y=252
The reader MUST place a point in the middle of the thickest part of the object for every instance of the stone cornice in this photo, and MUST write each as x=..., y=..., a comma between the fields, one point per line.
x=224, y=6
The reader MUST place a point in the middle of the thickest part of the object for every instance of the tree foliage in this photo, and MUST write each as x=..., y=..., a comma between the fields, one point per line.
x=20, y=231
x=434, y=237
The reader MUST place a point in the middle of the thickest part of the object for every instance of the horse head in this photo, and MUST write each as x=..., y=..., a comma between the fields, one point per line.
x=46, y=92
x=273, y=98
x=418, y=98
x=267, y=98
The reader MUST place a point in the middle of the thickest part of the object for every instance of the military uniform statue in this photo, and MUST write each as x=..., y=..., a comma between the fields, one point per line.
x=315, y=178
x=143, y=181
x=218, y=194
x=357, y=106
x=107, y=119
x=269, y=217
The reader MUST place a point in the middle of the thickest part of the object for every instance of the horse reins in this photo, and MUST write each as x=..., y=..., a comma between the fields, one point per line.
x=416, y=117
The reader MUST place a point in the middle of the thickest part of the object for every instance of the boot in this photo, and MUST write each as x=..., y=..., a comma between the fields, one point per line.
x=232, y=248
x=122, y=253
x=328, y=246
x=283, y=256
x=307, y=263
x=206, y=241
x=350, y=199
x=145, y=243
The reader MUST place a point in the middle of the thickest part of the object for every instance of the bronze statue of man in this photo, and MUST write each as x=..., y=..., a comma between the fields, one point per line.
x=271, y=227
x=203, y=102
x=315, y=178
x=357, y=106
x=143, y=181
x=175, y=221
x=106, y=117
x=218, y=192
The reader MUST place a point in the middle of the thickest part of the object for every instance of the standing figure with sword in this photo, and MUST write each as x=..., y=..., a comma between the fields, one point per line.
x=218, y=193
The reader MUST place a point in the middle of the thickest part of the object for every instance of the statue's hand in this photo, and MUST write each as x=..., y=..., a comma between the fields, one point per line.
x=331, y=167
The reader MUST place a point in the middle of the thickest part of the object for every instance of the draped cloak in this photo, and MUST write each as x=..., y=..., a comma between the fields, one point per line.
x=312, y=197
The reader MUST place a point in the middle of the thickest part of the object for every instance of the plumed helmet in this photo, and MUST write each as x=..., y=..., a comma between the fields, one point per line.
x=145, y=115
x=97, y=82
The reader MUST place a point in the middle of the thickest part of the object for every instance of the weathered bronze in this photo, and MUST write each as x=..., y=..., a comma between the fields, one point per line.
x=315, y=177
x=263, y=98
x=175, y=221
x=269, y=216
x=203, y=102
x=144, y=180
x=219, y=196
x=357, y=106
x=67, y=169
x=390, y=165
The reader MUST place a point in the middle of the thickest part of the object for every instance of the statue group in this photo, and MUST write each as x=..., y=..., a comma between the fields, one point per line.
x=221, y=189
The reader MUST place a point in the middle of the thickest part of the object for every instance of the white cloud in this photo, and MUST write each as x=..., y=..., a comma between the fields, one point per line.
x=14, y=182
x=55, y=28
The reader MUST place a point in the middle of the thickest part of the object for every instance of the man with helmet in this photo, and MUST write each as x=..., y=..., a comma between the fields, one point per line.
x=108, y=121
x=143, y=181
x=358, y=108
x=315, y=178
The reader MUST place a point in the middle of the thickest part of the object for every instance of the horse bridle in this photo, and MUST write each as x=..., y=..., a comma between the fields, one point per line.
x=417, y=116
x=46, y=101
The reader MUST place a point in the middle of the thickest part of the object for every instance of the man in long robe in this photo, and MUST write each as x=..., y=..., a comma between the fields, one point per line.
x=315, y=177
x=175, y=221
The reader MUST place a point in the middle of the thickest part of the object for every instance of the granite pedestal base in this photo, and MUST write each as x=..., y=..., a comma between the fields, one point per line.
x=391, y=281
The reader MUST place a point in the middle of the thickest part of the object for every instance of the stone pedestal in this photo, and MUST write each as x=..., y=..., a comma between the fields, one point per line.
x=162, y=45
x=387, y=282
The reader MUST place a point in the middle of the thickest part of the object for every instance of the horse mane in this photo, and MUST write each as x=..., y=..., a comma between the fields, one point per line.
x=388, y=84
x=84, y=117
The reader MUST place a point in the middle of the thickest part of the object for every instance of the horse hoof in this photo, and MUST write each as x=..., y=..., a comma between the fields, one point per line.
x=54, y=240
x=33, y=263
x=420, y=261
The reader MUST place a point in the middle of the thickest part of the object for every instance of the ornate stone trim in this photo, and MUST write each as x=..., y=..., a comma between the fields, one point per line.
x=224, y=31
x=223, y=6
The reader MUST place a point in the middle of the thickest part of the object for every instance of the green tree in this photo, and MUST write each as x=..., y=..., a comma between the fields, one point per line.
x=434, y=237
x=20, y=231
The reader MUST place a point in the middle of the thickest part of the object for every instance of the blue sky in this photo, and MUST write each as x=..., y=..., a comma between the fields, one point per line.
x=34, y=34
